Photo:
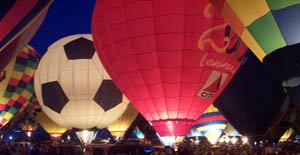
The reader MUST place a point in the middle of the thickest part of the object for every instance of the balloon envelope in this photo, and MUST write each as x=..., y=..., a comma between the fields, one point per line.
x=287, y=135
x=85, y=96
x=16, y=84
x=251, y=102
x=264, y=26
x=120, y=126
x=271, y=30
x=28, y=122
x=50, y=126
x=168, y=57
x=19, y=20
x=231, y=131
x=211, y=124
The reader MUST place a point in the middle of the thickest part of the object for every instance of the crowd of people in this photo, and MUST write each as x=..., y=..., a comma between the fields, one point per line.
x=202, y=148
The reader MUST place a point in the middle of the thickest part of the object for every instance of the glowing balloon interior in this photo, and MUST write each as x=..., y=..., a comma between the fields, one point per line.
x=170, y=58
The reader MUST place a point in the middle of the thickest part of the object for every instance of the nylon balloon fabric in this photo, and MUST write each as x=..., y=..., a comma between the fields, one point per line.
x=171, y=58
x=271, y=30
x=211, y=124
x=19, y=20
x=16, y=84
x=264, y=26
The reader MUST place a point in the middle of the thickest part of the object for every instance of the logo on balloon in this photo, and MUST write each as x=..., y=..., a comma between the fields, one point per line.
x=230, y=43
x=214, y=82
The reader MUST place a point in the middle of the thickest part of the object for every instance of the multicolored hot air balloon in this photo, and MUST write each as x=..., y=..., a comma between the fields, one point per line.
x=271, y=30
x=211, y=124
x=28, y=122
x=118, y=128
x=34, y=116
x=19, y=20
x=74, y=89
x=171, y=58
x=16, y=84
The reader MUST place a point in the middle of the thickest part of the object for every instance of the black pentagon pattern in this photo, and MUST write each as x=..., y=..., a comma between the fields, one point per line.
x=108, y=95
x=80, y=48
x=53, y=96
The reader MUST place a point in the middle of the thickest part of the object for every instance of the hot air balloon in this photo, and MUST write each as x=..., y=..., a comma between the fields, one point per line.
x=74, y=89
x=170, y=58
x=19, y=20
x=50, y=126
x=287, y=135
x=231, y=131
x=53, y=129
x=28, y=122
x=271, y=30
x=16, y=84
x=278, y=128
x=118, y=128
x=211, y=124
x=194, y=132
x=250, y=102
x=138, y=133
x=142, y=129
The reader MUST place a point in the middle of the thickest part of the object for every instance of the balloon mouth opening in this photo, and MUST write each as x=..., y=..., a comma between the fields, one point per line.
x=173, y=127
x=85, y=136
x=171, y=140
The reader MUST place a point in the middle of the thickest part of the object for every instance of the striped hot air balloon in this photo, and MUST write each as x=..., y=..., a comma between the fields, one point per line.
x=16, y=84
x=19, y=20
x=211, y=124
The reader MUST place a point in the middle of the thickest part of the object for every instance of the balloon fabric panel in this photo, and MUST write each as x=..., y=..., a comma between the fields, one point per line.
x=19, y=21
x=120, y=126
x=264, y=26
x=86, y=97
x=211, y=124
x=17, y=85
x=167, y=57
x=244, y=104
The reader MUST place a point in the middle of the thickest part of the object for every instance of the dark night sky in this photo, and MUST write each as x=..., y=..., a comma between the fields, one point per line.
x=65, y=17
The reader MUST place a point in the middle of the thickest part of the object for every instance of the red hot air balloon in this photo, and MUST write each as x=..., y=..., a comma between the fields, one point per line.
x=171, y=58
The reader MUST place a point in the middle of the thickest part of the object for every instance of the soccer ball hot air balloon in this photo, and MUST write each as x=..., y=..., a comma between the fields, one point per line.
x=211, y=124
x=74, y=89
x=16, y=84
x=19, y=20
x=171, y=58
x=118, y=128
x=271, y=30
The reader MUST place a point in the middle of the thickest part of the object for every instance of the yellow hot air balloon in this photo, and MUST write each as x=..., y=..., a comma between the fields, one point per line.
x=120, y=126
x=50, y=126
